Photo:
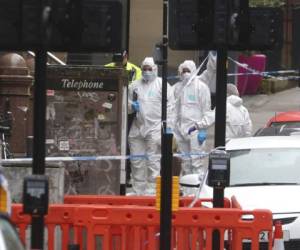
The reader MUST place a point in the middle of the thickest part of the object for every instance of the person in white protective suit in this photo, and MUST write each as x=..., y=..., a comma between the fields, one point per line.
x=238, y=121
x=192, y=102
x=209, y=75
x=144, y=99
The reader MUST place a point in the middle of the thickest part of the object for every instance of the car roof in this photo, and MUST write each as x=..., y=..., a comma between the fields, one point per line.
x=289, y=116
x=264, y=142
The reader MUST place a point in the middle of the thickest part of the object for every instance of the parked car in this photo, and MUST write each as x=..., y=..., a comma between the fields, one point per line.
x=265, y=173
x=289, y=119
x=283, y=123
x=277, y=131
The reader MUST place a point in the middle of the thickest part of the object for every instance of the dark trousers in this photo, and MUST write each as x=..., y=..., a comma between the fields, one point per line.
x=213, y=100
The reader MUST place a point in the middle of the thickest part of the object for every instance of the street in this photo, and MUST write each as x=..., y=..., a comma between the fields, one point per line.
x=263, y=107
x=92, y=92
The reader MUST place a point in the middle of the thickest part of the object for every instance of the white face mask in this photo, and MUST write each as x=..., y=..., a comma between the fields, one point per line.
x=148, y=76
x=185, y=76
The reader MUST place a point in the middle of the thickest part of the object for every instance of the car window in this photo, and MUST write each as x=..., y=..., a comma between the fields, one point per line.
x=8, y=237
x=283, y=125
x=280, y=165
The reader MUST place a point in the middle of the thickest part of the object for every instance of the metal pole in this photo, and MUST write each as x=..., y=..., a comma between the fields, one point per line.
x=39, y=113
x=127, y=25
x=38, y=165
x=166, y=149
x=221, y=90
x=220, y=128
x=164, y=64
x=39, y=134
x=166, y=193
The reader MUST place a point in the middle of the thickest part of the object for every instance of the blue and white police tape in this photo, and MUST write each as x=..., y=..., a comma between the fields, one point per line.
x=265, y=74
x=6, y=162
x=246, y=66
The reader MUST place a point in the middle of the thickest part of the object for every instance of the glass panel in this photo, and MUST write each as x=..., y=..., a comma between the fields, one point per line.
x=265, y=166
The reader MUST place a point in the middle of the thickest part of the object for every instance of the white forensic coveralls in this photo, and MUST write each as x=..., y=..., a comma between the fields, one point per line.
x=238, y=122
x=145, y=133
x=192, y=102
x=209, y=74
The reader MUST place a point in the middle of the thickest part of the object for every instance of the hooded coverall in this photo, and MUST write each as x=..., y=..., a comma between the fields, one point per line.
x=238, y=122
x=145, y=133
x=192, y=102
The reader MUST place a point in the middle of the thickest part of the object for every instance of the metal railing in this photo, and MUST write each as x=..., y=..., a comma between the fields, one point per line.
x=51, y=56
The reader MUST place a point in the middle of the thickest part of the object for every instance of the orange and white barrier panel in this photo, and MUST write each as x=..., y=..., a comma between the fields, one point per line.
x=278, y=237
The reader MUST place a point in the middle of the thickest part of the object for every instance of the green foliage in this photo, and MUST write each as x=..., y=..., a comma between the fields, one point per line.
x=267, y=3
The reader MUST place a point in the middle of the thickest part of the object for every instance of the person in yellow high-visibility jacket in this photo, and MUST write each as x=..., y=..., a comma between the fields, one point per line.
x=121, y=60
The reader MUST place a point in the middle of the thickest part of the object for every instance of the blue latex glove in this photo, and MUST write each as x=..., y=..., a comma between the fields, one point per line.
x=135, y=106
x=192, y=129
x=201, y=136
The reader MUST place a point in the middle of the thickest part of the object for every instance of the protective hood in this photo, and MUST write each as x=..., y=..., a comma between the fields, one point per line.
x=189, y=64
x=149, y=61
x=235, y=100
x=232, y=90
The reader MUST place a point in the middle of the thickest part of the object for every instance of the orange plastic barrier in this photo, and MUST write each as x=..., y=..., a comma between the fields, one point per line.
x=110, y=200
x=58, y=216
x=131, y=200
x=192, y=228
x=137, y=227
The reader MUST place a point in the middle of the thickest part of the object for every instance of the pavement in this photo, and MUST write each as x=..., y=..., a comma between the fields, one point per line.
x=263, y=107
